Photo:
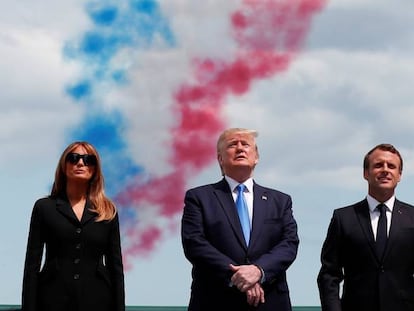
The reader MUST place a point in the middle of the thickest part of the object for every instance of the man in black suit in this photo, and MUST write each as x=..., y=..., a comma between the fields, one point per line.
x=233, y=270
x=370, y=245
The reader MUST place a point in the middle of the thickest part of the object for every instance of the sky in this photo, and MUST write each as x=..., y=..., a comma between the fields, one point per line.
x=152, y=84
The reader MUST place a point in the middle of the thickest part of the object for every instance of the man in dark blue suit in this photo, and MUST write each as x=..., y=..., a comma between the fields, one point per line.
x=233, y=270
x=369, y=247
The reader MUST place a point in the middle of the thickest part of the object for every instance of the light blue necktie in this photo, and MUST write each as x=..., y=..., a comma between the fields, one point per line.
x=243, y=212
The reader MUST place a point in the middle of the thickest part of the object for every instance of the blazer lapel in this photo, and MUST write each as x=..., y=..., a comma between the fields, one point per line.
x=397, y=221
x=260, y=203
x=87, y=214
x=362, y=212
x=225, y=198
x=63, y=207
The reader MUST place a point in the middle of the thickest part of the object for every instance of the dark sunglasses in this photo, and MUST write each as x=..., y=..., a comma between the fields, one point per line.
x=88, y=159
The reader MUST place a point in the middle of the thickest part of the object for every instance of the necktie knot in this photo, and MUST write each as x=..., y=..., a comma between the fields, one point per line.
x=382, y=208
x=240, y=188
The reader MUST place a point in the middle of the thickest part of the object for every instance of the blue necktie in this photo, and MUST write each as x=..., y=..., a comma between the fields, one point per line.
x=243, y=212
x=381, y=240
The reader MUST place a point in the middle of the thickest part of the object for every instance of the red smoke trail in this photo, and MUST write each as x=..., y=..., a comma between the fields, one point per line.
x=269, y=33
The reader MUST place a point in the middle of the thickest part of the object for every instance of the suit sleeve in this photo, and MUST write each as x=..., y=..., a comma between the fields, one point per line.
x=330, y=275
x=33, y=260
x=197, y=248
x=115, y=265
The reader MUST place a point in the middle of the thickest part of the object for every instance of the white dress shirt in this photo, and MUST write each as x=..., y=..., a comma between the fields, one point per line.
x=248, y=193
x=374, y=213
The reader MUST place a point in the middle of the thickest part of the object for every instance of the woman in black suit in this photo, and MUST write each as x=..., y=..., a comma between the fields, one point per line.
x=78, y=226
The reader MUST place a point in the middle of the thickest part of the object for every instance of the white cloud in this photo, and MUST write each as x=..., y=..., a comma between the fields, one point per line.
x=320, y=117
x=201, y=28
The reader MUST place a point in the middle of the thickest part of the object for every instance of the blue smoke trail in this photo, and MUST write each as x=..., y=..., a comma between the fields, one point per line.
x=117, y=25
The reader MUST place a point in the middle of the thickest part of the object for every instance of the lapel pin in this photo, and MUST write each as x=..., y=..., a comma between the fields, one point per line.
x=264, y=197
x=399, y=212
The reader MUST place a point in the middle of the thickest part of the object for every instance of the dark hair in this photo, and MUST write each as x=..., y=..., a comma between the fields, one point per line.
x=383, y=147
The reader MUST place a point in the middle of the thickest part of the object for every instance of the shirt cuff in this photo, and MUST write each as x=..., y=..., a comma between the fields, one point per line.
x=263, y=277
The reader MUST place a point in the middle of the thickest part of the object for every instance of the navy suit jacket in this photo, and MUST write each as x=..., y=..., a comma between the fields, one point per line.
x=348, y=255
x=213, y=239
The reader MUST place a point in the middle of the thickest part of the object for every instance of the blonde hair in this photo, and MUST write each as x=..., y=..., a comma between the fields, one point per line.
x=101, y=204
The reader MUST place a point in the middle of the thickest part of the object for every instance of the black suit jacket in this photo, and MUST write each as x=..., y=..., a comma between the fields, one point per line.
x=83, y=268
x=348, y=254
x=212, y=239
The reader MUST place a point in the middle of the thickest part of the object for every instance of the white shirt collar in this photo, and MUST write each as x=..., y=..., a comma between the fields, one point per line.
x=233, y=183
x=373, y=203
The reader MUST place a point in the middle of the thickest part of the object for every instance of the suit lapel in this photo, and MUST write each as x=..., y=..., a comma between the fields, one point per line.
x=362, y=212
x=87, y=214
x=225, y=198
x=63, y=207
x=260, y=203
x=397, y=221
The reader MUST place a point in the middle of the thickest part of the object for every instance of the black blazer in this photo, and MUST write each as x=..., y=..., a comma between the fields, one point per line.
x=83, y=268
x=348, y=254
x=212, y=239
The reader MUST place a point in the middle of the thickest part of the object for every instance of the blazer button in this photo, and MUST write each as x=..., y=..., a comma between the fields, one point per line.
x=78, y=246
x=78, y=230
x=76, y=277
x=77, y=260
